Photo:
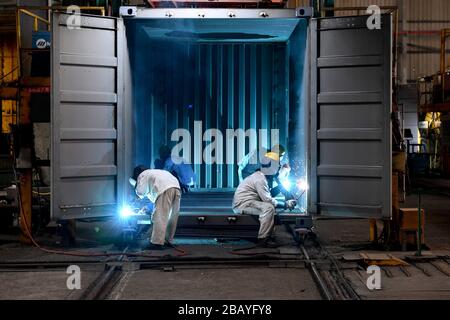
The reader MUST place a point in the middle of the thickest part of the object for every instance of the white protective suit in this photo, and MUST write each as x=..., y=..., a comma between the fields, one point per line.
x=252, y=196
x=163, y=189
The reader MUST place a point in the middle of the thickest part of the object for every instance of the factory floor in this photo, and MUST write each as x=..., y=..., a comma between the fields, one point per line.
x=263, y=278
x=423, y=278
x=192, y=273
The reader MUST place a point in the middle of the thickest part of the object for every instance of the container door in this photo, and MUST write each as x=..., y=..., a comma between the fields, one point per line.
x=86, y=116
x=350, y=164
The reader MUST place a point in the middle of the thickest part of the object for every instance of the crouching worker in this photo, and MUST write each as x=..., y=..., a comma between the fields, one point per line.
x=163, y=189
x=253, y=196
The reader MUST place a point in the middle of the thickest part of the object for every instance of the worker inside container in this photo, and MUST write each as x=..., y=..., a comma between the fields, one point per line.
x=177, y=166
x=227, y=82
x=253, y=197
x=252, y=162
x=162, y=189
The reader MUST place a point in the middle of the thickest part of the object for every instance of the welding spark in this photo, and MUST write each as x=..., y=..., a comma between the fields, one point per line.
x=302, y=185
x=286, y=184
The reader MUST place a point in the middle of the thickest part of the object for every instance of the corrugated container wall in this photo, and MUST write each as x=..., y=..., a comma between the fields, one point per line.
x=225, y=84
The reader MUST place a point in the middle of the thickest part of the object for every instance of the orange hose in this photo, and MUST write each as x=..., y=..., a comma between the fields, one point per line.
x=80, y=254
x=75, y=253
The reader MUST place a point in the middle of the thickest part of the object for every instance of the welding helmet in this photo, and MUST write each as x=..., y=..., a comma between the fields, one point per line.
x=272, y=156
x=276, y=153
x=279, y=150
x=270, y=167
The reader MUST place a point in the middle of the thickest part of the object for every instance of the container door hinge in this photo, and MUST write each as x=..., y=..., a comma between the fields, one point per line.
x=304, y=12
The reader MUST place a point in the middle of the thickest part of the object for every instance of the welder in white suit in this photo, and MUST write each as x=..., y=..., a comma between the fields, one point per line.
x=163, y=189
x=253, y=196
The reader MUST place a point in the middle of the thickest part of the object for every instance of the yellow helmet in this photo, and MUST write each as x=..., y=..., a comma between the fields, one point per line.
x=279, y=149
x=276, y=152
x=273, y=156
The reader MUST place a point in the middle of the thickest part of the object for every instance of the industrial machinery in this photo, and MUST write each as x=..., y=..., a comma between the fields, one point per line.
x=434, y=104
x=122, y=87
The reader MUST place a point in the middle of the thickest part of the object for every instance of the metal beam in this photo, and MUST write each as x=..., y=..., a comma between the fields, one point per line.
x=438, y=107
x=218, y=3
x=9, y=93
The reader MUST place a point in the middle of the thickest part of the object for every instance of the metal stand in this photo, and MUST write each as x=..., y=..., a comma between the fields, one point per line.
x=419, y=230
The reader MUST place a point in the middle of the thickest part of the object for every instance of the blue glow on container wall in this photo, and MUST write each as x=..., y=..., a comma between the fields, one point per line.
x=226, y=73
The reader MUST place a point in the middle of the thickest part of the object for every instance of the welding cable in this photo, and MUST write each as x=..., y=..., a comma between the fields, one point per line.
x=94, y=254
x=237, y=251
x=75, y=253
x=30, y=236
x=181, y=251
x=251, y=253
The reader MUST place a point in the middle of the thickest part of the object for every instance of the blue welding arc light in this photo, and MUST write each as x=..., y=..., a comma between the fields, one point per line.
x=286, y=184
x=125, y=212
x=301, y=184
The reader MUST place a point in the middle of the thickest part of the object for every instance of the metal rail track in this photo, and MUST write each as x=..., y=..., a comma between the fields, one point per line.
x=104, y=284
x=324, y=269
x=100, y=288
x=332, y=283
x=149, y=263
x=323, y=289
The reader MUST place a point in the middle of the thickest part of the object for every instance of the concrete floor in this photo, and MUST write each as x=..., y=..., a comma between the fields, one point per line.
x=341, y=237
x=206, y=282
x=345, y=237
x=41, y=285
x=230, y=283
x=395, y=285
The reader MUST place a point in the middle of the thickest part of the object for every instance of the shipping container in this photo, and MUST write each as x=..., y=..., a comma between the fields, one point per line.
x=121, y=86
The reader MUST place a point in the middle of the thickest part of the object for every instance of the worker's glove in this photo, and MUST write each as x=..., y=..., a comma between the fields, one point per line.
x=287, y=195
x=280, y=204
x=275, y=191
x=290, y=204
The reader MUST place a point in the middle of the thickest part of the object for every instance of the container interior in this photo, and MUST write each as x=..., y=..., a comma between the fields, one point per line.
x=218, y=74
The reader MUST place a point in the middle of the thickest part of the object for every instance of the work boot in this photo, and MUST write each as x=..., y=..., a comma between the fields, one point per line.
x=267, y=243
x=154, y=247
x=169, y=244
